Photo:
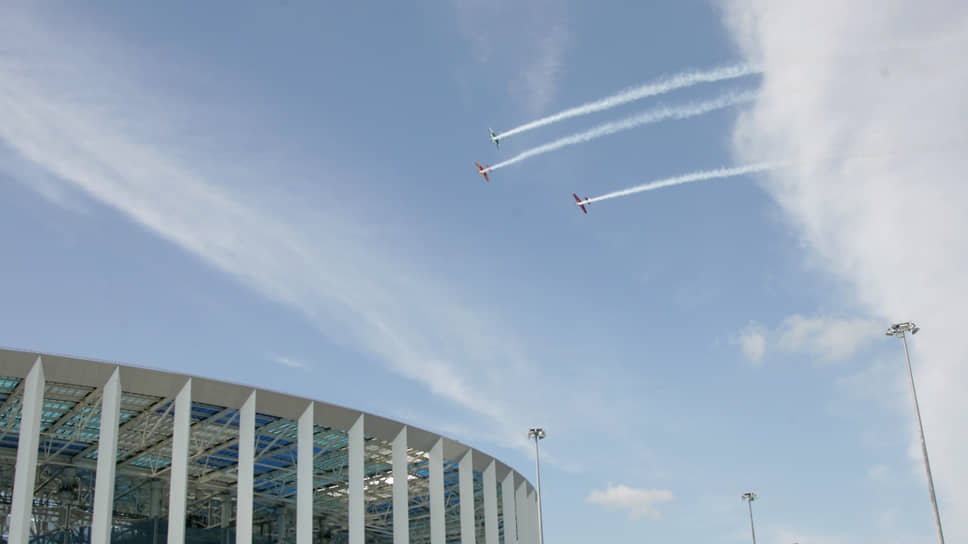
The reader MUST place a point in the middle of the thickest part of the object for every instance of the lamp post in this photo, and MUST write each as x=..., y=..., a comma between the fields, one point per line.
x=749, y=497
x=899, y=330
x=537, y=433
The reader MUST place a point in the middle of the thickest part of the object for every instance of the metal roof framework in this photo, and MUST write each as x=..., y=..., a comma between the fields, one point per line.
x=67, y=460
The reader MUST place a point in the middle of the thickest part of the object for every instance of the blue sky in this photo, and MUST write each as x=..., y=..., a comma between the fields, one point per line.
x=284, y=195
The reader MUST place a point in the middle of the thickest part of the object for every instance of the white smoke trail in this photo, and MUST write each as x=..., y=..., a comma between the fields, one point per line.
x=949, y=146
x=652, y=116
x=671, y=83
x=689, y=178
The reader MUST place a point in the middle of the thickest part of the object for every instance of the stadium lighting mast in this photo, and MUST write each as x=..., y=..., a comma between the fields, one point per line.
x=899, y=330
x=537, y=433
x=749, y=497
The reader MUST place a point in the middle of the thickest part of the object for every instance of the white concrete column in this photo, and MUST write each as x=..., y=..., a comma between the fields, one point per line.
x=533, y=514
x=107, y=455
x=465, y=481
x=521, y=513
x=532, y=510
x=438, y=534
x=178, y=486
x=304, y=477
x=509, y=510
x=490, y=504
x=154, y=506
x=356, y=500
x=25, y=472
x=225, y=516
x=282, y=523
x=401, y=491
x=245, y=494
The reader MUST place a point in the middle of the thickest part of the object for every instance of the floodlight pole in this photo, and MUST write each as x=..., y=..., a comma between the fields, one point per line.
x=899, y=330
x=538, y=433
x=749, y=497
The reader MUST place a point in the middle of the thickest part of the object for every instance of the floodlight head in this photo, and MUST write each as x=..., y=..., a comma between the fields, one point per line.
x=536, y=432
x=749, y=496
x=898, y=329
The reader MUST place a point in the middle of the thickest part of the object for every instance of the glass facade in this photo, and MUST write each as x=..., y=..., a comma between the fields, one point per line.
x=63, y=498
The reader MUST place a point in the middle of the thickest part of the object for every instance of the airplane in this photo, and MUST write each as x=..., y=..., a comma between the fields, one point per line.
x=494, y=138
x=581, y=203
x=483, y=170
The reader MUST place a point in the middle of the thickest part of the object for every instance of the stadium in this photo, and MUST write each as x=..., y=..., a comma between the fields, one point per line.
x=194, y=460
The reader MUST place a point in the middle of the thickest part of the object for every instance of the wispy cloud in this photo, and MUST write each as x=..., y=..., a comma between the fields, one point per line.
x=538, y=79
x=752, y=340
x=786, y=536
x=824, y=338
x=828, y=338
x=291, y=363
x=105, y=143
x=639, y=503
x=891, y=228
x=879, y=473
x=529, y=39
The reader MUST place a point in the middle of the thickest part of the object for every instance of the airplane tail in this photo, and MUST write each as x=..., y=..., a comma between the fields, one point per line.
x=581, y=204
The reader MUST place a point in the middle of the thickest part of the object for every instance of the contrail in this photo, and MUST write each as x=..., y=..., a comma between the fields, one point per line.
x=671, y=83
x=689, y=178
x=941, y=147
x=652, y=116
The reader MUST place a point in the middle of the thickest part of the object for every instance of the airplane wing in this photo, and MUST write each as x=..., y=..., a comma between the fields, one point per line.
x=482, y=171
x=494, y=138
x=579, y=203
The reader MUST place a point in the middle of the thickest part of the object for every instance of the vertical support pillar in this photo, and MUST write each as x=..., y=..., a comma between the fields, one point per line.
x=465, y=481
x=244, y=495
x=509, y=510
x=225, y=511
x=178, y=486
x=304, y=477
x=107, y=454
x=437, y=533
x=154, y=508
x=401, y=492
x=356, y=500
x=521, y=513
x=533, y=515
x=490, y=504
x=282, y=523
x=25, y=472
x=537, y=513
x=225, y=517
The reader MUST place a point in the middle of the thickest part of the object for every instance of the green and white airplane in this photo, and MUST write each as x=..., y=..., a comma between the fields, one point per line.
x=494, y=139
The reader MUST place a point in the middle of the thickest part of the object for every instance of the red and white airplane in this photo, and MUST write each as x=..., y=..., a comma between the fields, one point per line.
x=482, y=170
x=581, y=203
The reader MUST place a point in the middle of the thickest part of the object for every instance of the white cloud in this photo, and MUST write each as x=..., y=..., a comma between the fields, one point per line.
x=788, y=536
x=891, y=222
x=638, y=503
x=824, y=338
x=879, y=473
x=539, y=79
x=291, y=363
x=752, y=340
x=532, y=37
x=68, y=109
